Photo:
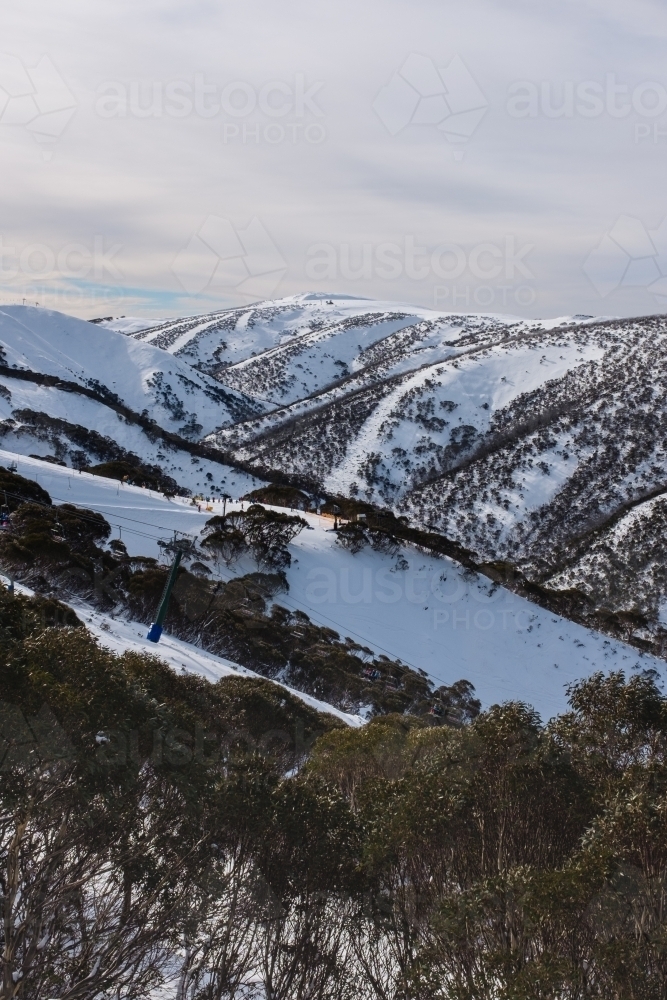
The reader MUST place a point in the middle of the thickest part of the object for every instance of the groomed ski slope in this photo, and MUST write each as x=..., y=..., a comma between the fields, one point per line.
x=432, y=614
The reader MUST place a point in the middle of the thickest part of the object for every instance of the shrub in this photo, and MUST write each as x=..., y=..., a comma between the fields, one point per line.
x=14, y=490
x=281, y=496
x=149, y=476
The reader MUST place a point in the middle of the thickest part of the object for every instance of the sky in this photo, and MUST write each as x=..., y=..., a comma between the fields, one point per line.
x=168, y=158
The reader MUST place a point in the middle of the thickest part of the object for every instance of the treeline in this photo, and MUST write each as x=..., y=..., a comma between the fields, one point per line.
x=224, y=841
x=78, y=444
x=131, y=803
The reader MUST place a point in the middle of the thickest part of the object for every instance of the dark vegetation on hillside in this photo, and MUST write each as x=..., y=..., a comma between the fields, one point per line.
x=61, y=550
x=125, y=790
x=138, y=474
x=78, y=444
x=15, y=490
x=263, y=532
x=282, y=496
x=271, y=375
x=230, y=842
x=592, y=441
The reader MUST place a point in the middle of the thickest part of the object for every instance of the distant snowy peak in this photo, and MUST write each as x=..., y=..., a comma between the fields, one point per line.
x=220, y=340
x=130, y=325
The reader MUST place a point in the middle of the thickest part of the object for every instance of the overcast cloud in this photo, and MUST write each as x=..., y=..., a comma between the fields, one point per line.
x=168, y=157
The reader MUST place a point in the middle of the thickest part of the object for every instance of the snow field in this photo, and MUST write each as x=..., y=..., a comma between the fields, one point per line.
x=143, y=376
x=432, y=614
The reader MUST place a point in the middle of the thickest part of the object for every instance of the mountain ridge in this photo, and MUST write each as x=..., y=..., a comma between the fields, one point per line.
x=538, y=443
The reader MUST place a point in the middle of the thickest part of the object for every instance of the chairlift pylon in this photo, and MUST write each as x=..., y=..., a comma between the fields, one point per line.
x=155, y=631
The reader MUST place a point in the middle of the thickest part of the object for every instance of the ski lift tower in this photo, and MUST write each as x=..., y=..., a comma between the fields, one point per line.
x=179, y=548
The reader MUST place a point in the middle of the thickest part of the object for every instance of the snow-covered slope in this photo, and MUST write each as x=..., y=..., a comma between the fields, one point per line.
x=128, y=324
x=136, y=373
x=139, y=516
x=44, y=421
x=522, y=441
x=312, y=362
x=542, y=443
x=385, y=437
x=348, y=352
x=563, y=464
x=297, y=346
x=215, y=341
x=427, y=611
x=125, y=377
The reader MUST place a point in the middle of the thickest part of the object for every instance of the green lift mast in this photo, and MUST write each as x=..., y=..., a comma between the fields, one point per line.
x=155, y=630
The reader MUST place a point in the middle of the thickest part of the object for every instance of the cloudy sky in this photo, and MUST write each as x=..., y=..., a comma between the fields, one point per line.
x=164, y=158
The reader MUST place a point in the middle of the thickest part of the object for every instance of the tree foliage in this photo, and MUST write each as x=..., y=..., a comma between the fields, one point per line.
x=223, y=840
x=263, y=532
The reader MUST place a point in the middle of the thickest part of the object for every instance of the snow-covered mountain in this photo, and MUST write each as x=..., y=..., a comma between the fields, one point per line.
x=83, y=395
x=538, y=443
x=135, y=373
